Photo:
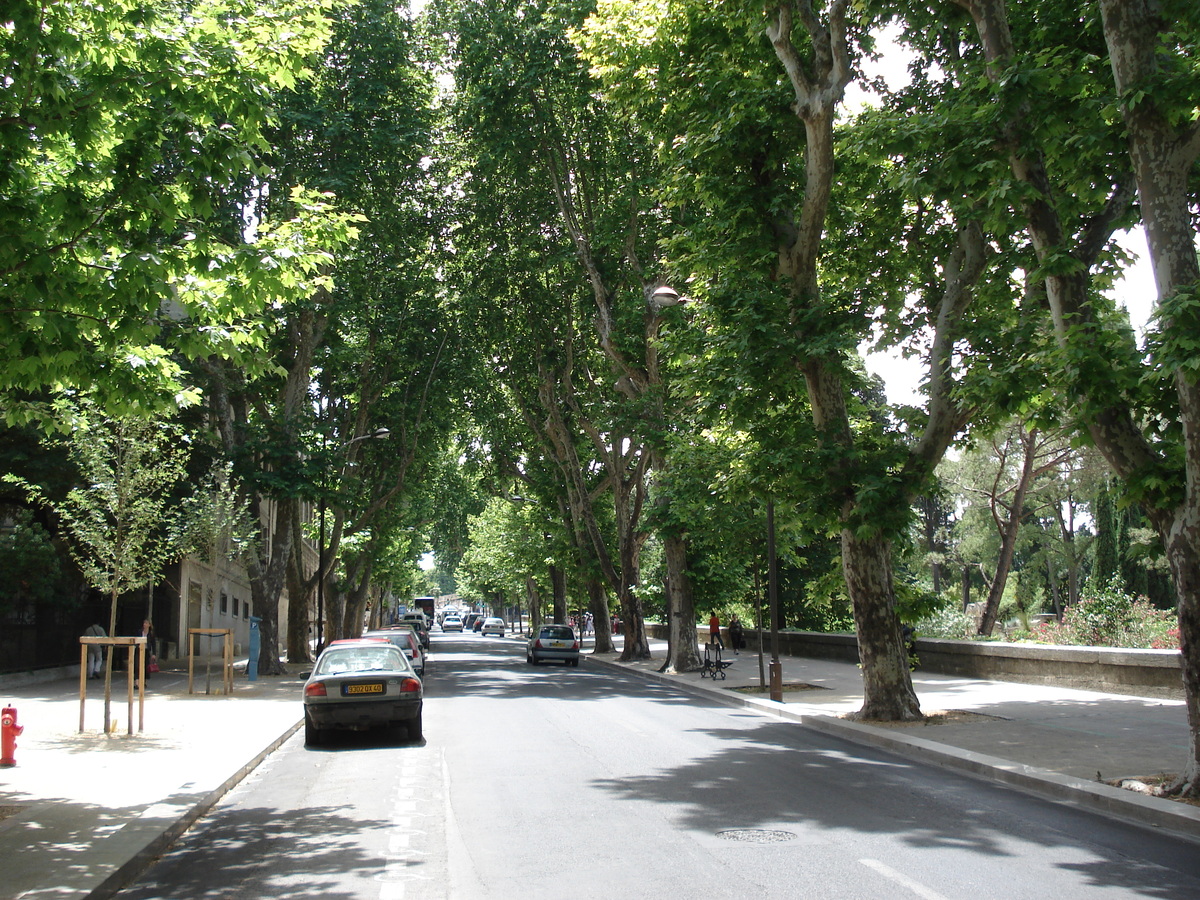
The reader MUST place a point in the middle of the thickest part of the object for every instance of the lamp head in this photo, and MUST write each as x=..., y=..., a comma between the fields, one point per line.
x=665, y=296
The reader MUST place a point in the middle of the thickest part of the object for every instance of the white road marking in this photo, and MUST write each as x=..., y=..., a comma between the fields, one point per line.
x=401, y=856
x=903, y=880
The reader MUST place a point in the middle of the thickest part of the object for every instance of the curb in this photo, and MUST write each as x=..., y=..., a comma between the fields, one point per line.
x=1181, y=819
x=164, y=832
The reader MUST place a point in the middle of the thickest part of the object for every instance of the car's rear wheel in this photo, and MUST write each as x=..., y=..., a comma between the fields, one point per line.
x=312, y=735
x=415, y=730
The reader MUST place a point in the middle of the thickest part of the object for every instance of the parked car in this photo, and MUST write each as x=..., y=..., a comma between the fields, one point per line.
x=469, y=621
x=417, y=625
x=492, y=625
x=477, y=625
x=422, y=635
x=362, y=684
x=406, y=639
x=452, y=623
x=553, y=642
x=416, y=617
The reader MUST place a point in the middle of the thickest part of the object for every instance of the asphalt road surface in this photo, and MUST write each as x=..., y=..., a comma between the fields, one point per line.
x=557, y=782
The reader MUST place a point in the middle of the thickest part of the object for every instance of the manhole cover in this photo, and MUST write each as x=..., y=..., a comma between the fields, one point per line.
x=755, y=835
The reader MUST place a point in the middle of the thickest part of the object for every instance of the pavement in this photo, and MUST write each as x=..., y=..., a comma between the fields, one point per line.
x=82, y=814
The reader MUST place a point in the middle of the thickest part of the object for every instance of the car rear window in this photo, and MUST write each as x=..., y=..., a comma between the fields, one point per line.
x=401, y=639
x=360, y=659
x=557, y=631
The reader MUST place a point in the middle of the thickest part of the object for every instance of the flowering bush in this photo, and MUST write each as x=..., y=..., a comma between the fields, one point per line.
x=1112, y=618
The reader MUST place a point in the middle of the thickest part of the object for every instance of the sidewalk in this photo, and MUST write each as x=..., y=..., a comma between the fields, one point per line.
x=81, y=814
x=1060, y=743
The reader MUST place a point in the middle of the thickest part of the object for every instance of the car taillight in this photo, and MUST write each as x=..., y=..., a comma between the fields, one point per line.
x=316, y=689
x=575, y=645
x=409, y=685
x=537, y=645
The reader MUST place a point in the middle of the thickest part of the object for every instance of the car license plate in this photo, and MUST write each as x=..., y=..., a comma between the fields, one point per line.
x=557, y=644
x=372, y=688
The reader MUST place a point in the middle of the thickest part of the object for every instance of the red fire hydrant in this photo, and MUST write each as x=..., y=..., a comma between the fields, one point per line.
x=9, y=732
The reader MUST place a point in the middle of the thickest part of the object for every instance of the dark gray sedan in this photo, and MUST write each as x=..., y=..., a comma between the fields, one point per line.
x=362, y=684
x=553, y=642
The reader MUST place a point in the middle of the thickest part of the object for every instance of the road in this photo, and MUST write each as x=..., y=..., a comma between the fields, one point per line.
x=556, y=782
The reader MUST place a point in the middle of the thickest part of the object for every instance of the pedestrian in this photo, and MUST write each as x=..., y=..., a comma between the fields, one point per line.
x=95, y=652
x=151, y=655
x=714, y=630
x=737, y=636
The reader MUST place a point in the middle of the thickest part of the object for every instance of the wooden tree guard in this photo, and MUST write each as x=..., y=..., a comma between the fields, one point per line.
x=133, y=644
x=226, y=655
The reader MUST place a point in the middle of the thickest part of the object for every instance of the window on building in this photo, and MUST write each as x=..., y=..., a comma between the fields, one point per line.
x=224, y=604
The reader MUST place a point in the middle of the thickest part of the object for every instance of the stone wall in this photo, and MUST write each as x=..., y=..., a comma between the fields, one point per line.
x=1146, y=672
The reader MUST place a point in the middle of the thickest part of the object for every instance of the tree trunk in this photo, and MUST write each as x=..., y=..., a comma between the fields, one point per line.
x=635, y=645
x=558, y=590
x=1009, y=529
x=335, y=608
x=1055, y=590
x=299, y=596
x=601, y=616
x=1066, y=529
x=683, y=651
x=230, y=401
x=534, y=599
x=298, y=621
x=108, y=661
x=266, y=585
x=1183, y=557
x=359, y=578
x=888, y=693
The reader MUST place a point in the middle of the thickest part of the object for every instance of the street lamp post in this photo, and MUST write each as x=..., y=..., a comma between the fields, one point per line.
x=776, y=670
x=377, y=434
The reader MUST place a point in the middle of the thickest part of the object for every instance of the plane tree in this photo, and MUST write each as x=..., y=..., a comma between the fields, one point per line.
x=805, y=240
x=129, y=134
x=1055, y=127
x=528, y=108
x=368, y=347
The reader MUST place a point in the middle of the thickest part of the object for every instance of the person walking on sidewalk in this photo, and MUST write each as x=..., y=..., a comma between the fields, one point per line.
x=737, y=636
x=714, y=630
x=95, y=653
x=151, y=655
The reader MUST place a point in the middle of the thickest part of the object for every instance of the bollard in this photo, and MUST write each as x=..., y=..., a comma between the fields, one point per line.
x=9, y=732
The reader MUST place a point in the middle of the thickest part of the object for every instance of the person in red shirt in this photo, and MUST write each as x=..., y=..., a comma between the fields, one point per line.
x=714, y=630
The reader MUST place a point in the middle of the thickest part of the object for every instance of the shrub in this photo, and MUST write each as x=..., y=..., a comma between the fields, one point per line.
x=1112, y=618
x=951, y=623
